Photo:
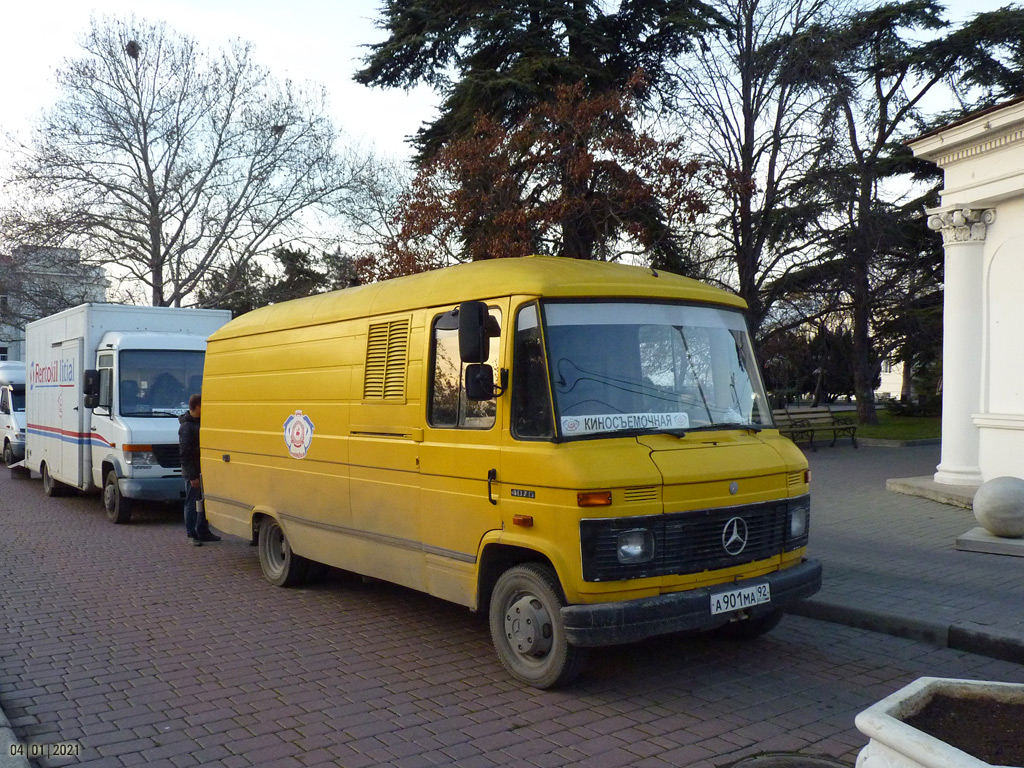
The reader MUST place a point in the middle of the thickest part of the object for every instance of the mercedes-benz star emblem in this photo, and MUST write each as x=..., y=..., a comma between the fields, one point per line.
x=734, y=536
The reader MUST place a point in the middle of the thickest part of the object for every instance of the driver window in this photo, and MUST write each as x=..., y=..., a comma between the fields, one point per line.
x=105, y=364
x=448, y=406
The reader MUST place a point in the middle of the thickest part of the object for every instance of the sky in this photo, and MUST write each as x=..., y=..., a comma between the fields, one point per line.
x=315, y=41
x=306, y=40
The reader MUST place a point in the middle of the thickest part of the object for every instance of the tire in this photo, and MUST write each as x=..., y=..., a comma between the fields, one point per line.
x=118, y=508
x=51, y=487
x=8, y=453
x=526, y=627
x=281, y=567
x=748, y=629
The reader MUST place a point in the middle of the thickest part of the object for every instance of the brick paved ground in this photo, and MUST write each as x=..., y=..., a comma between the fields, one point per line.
x=891, y=557
x=149, y=652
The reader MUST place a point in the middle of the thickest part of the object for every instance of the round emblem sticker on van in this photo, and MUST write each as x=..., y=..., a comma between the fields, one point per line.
x=298, y=434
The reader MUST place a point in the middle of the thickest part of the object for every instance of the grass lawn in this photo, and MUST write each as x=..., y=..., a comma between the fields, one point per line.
x=892, y=427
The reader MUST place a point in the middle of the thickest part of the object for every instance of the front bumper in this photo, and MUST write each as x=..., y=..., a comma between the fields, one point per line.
x=633, y=620
x=153, y=488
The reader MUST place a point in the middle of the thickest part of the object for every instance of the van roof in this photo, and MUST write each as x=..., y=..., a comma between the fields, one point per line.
x=542, y=276
x=12, y=372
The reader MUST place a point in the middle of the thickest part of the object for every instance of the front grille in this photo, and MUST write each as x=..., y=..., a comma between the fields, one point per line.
x=168, y=456
x=687, y=542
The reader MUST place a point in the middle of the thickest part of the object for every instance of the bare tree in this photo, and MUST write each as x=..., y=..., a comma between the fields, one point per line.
x=162, y=161
x=756, y=130
x=375, y=242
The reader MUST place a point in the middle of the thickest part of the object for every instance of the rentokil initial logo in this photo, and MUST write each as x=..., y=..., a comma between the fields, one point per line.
x=55, y=374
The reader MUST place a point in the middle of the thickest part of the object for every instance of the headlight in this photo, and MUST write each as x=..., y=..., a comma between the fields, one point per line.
x=798, y=519
x=635, y=546
x=140, y=459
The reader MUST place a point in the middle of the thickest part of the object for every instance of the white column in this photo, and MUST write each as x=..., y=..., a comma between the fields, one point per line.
x=963, y=235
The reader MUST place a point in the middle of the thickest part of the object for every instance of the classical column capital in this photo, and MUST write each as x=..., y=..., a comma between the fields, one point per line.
x=961, y=225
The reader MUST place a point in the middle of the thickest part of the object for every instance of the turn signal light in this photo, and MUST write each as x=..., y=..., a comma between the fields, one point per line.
x=594, y=498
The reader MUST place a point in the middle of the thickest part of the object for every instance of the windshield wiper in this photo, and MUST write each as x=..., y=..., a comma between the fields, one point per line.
x=728, y=425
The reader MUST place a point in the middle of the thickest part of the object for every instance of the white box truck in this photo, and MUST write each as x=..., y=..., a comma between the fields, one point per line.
x=105, y=386
x=12, y=410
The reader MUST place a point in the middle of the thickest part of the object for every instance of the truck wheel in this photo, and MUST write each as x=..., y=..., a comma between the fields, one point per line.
x=119, y=509
x=51, y=487
x=748, y=629
x=281, y=566
x=526, y=627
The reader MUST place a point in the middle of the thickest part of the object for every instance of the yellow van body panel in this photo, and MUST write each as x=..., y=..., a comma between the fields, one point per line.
x=316, y=414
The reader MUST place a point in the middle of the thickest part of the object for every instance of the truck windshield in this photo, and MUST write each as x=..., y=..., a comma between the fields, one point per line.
x=158, y=382
x=631, y=367
x=18, y=398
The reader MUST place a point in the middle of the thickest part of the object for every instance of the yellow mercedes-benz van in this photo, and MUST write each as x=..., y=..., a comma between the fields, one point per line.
x=584, y=450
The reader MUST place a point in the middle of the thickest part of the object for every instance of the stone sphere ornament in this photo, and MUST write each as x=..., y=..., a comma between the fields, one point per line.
x=999, y=507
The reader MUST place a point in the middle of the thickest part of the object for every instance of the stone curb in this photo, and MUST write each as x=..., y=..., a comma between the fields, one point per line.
x=7, y=741
x=879, y=442
x=926, y=488
x=959, y=636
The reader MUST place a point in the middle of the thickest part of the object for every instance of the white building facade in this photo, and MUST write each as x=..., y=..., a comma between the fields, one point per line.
x=981, y=219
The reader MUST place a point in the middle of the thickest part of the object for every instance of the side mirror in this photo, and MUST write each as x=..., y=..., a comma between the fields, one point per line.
x=479, y=382
x=91, y=388
x=474, y=342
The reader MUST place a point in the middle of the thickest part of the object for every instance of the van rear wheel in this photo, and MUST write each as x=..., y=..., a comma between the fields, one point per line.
x=526, y=627
x=281, y=567
x=118, y=508
x=51, y=487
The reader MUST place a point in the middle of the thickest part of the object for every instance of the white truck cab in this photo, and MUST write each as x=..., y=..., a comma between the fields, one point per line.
x=12, y=410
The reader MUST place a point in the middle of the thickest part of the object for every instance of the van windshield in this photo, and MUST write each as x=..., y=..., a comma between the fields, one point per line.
x=18, y=398
x=630, y=367
x=158, y=382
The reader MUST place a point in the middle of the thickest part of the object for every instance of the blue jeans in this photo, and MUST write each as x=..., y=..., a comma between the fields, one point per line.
x=196, y=526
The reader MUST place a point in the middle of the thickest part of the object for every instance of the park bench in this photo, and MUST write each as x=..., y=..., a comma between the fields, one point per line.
x=801, y=424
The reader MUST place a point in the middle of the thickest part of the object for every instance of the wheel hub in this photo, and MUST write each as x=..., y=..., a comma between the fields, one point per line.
x=276, y=549
x=528, y=626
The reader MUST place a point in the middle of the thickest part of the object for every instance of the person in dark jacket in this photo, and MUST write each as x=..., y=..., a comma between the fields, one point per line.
x=196, y=527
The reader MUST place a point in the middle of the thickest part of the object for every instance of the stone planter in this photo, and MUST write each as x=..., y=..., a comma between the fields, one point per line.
x=945, y=723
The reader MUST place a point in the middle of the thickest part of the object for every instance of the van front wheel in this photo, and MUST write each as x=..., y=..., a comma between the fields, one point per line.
x=117, y=507
x=526, y=627
x=281, y=566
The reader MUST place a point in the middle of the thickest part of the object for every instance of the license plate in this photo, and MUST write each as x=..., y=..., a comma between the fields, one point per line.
x=737, y=599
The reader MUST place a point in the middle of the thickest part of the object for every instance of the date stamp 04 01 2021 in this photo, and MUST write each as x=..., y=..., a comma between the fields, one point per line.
x=60, y=749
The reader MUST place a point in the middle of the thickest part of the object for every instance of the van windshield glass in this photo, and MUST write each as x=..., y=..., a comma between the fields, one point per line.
x=625, y=367
x=18, y=399
x=158, y=382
